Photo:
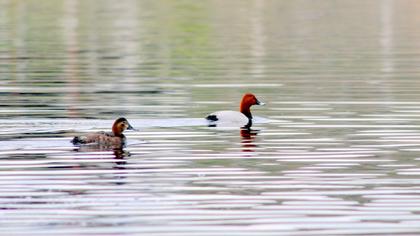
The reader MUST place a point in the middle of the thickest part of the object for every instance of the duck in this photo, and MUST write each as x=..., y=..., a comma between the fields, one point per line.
x=242, y=117
x=115, y=138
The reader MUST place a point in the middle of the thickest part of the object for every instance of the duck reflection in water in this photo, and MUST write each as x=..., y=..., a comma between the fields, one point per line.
x=248, y=137
x=119, y=154
x=119, y=163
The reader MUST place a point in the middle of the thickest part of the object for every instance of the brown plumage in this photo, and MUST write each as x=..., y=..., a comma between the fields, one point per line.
x=114, y=138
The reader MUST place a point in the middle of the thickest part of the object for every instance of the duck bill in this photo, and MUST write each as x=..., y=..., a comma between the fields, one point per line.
x=259, y=103
x=131, y=128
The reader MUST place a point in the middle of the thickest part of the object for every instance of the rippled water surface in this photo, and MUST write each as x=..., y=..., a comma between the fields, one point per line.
x=336, y=150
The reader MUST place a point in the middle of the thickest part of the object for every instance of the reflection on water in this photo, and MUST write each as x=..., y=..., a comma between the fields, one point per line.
x=248, y=138
x=335, y=151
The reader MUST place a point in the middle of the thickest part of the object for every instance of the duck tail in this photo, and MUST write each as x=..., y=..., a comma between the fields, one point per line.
x=78, y=140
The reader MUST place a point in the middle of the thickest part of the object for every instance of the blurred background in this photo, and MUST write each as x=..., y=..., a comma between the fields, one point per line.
x=176, y=58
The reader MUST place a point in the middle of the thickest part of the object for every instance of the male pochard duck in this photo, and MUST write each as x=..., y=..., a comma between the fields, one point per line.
x=115, y=138
x=243, y=117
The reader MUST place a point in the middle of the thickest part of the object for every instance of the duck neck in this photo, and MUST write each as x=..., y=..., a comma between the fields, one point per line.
x=117, y=132
x=245, y=109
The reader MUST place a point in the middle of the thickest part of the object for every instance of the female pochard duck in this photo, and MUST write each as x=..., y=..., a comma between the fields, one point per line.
x=115, y=138
x=243, y=117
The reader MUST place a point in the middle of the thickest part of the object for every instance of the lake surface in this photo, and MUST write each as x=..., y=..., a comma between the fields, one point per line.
x=336, y=150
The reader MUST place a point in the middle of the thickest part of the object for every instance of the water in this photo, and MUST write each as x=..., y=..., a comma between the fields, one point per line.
x=334, y=152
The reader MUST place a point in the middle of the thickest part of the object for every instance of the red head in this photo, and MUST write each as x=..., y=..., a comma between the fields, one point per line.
x=248, y=100
x=120, y=125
